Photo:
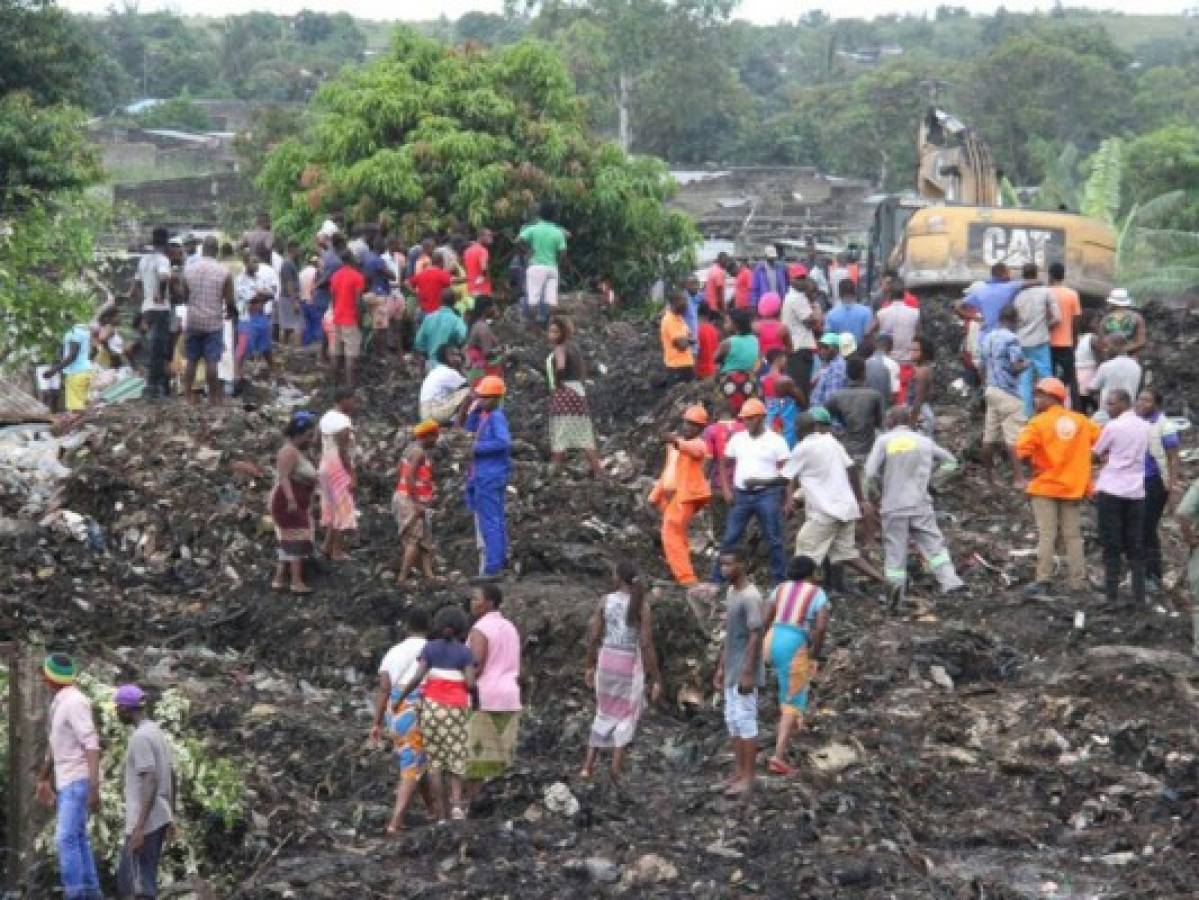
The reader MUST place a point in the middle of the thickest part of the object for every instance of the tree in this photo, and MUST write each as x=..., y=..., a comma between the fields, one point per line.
x=433, y=138
x=42, y=150
x=43, y=52
x=178, y=113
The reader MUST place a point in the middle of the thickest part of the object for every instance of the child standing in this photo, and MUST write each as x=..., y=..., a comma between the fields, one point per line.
x=402, y=716
x=447, y=668
x=741, y=671
x=707, y=340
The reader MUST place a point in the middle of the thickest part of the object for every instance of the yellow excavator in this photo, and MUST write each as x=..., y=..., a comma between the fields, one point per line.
x=954, y=228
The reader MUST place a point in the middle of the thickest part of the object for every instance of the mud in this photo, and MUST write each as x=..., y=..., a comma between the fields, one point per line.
x=978, y=746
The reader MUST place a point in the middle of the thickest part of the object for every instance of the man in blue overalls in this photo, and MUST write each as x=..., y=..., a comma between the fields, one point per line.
x=488, y=478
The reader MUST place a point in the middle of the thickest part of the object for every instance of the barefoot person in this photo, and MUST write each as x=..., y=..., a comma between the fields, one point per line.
x=413, y=501
x=338, y=482
x=495, y=644
x=796, y=620
x=291, y=503
x=620, y=660
x=402, y=716
x=447, y=668
x=741, y=671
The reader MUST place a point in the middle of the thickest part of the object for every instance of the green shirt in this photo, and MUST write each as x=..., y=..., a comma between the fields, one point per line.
x=546, y=240
x=742, y=355
x=438, y=329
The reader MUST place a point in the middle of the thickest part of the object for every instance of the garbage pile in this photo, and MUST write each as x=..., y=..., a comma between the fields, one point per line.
x=987, y=744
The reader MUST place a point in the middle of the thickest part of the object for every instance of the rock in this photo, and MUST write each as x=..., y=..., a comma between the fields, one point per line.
x=650, y=869
x=833, y=757
x=559, y=799
x=602, y=870
x=940, y=677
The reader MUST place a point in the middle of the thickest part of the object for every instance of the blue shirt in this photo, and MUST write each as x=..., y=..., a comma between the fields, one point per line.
x=990, y=299
x=832, y=379
x=1000, y=351
x=851, y=317
x=376, y=272
x=1170, y=441
x=81, y=335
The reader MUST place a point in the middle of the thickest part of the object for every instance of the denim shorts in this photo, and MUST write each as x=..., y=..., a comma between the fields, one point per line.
x=206, y=345
x=741, y=713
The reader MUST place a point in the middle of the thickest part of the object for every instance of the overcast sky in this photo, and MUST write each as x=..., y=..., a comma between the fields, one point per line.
x=755, y=10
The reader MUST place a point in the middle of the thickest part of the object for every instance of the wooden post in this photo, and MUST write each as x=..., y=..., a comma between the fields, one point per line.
x=26, y=730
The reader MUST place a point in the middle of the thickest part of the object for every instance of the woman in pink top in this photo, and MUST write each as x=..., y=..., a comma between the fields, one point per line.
x=772, y=334
x=493, y=727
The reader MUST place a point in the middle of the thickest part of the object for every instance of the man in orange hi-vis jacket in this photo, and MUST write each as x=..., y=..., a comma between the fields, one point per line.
x=682, y=491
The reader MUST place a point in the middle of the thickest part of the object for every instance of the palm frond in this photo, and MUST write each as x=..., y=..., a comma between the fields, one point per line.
x=1101, y=194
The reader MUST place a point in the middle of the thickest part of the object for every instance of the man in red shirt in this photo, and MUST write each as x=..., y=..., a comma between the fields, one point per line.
x=743, y=285
x=714, y=283
x=346, y=286
x=707, y=341
x=476, y=258
x=429, y=282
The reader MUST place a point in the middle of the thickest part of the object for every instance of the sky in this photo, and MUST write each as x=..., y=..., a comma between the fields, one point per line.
x=762, y=11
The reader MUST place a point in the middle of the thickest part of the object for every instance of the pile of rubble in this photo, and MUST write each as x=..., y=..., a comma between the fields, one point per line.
x=984, y=745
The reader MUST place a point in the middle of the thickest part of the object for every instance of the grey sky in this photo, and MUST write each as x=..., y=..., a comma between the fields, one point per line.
x=763, y=11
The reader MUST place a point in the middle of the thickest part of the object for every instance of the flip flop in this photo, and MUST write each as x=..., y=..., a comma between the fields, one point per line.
x=277, y=587
x=301, y=591
x=776, y=766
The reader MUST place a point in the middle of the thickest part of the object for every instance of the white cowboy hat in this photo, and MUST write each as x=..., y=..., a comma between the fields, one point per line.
x=848, y=345
x=1119, y=297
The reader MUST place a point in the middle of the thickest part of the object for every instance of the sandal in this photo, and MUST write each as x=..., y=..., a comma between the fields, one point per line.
x=302, y=589
x=278, y=586
x=776, y=766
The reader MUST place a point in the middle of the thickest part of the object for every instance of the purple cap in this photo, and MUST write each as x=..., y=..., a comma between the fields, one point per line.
x=130, y=696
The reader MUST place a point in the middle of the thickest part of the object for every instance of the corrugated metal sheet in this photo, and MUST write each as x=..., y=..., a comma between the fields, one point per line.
x=17, y=405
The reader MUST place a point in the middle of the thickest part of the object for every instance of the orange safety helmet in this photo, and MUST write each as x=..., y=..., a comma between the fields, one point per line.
x=696, y=415
x=752, y=408
x=490, y=386
x=1053, y=387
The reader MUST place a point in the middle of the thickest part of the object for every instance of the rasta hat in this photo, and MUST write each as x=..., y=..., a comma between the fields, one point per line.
x=426, y=428
x=696, y=415
x=490, y=386
x=58, y=668
x=820, y=414
x=129, y=696
x=1052, y=387
x=752, y=409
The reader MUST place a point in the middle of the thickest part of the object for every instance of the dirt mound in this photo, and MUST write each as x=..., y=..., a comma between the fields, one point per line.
x=977, y=746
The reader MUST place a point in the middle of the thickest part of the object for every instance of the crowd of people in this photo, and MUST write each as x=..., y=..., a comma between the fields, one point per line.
x=820, y=394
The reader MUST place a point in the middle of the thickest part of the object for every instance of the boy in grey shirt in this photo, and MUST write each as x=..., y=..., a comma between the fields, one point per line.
x=741, y=671
x=906, y=459
x=149, y=796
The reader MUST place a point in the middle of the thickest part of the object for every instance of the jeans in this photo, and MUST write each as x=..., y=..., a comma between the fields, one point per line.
x=158, y=323
x=1063, y=368
x=1041, y=367
x=314, y=317
x=75, y=861
x=1156, y=496
x=767, y=507
x=137, y=873
x=1121, y=534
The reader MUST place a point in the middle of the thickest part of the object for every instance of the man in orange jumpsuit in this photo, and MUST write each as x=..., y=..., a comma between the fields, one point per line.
x=682, y=491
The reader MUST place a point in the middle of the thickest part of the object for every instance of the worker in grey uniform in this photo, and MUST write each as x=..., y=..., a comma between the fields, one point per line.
x=905, y=459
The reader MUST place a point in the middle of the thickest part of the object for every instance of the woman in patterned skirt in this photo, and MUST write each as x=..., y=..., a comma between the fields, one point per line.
x=621, y=660
x=570, y=417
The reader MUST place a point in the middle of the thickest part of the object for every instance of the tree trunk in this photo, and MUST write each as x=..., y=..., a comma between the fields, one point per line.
x=625, y=85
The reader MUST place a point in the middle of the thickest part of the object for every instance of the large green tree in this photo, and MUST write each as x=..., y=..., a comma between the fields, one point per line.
x=430, y=137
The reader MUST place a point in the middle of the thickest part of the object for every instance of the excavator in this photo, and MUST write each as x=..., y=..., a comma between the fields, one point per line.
x=954, y=227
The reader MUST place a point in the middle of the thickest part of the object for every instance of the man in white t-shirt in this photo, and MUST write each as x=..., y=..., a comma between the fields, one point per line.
x=153, y=287
x=833, y=502
x=444, y=388
x=758, y=455
x=399, y=666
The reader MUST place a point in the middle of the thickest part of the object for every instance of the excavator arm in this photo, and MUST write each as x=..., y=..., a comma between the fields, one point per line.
x=954, y=165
